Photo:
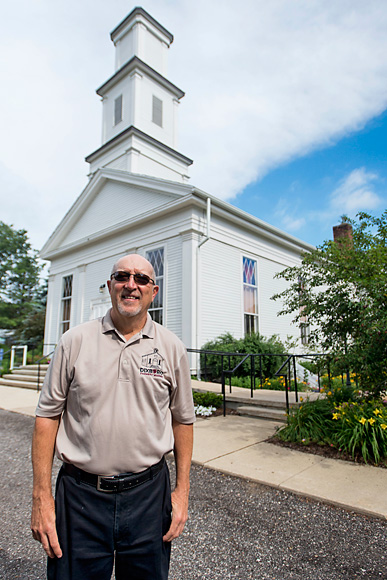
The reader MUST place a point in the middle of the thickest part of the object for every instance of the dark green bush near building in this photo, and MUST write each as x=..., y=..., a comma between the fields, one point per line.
x=207, y=399
x=211, y=364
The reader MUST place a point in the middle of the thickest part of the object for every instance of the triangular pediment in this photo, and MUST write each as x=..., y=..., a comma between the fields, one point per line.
x=111, y=198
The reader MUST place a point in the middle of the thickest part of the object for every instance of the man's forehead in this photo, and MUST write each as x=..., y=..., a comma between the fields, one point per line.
x=134, y=262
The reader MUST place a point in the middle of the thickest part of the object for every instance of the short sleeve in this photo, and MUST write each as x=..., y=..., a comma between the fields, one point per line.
x=182, y=407
x=53, y=396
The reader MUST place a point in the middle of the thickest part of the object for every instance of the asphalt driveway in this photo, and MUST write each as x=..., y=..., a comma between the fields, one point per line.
x=237, y=529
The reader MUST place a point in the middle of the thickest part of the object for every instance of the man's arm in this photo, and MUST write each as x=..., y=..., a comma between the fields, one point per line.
x=43, y=506
x=183, y=435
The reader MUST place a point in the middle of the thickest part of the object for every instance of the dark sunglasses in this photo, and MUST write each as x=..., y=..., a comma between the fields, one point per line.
x=140, y=279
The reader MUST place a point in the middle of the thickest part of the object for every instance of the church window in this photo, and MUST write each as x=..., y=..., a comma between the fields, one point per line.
x=118, y=110
x=67, y=290
x=304, y=322
x=156, y=258
x=250, y=295
x=157, y=111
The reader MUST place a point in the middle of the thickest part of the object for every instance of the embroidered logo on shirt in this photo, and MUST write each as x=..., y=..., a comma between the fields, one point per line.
x=152, y=364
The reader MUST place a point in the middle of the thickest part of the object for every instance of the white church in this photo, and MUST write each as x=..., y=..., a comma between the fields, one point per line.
x=214, y=263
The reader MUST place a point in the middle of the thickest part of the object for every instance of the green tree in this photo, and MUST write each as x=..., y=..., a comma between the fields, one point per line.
x=20, y=270
x=341, y=289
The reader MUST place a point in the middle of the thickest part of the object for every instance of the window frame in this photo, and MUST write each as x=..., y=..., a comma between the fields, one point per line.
x=157, y=111
x=66, y=303
x=250, y=320
x=116, y=121
x=162, y=292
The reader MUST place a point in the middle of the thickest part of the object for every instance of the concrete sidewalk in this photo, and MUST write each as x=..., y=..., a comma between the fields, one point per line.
x=237, y=445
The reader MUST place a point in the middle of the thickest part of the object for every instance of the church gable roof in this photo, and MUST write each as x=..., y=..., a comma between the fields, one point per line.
x=110, y=197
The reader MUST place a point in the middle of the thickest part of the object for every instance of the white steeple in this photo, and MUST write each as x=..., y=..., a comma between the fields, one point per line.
x=139, y=126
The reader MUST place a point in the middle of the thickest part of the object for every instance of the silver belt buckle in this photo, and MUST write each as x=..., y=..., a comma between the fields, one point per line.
x=99, y=477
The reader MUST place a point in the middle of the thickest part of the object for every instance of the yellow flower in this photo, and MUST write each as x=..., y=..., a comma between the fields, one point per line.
x=329, y=393
x=377, y=412
x=301, y=399
x=363, y=420
x=372, y=420
x=336, y=416
x=383, y=426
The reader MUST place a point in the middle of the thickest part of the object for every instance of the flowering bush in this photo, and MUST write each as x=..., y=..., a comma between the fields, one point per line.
x=308, y=423
x=336, y=392
x=274, y=384
x=356, y=427
x=361, y=428
x=204, y=411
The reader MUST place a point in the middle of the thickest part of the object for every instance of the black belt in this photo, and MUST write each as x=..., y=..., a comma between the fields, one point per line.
x=114, y=483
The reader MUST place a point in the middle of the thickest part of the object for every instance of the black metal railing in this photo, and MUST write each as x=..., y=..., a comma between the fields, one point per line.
x=287, y=370
x=39, y=362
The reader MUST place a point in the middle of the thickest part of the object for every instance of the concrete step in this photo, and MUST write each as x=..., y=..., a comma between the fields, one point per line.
x=29, y=372
x=263, y=412
x=33, y=368
x=25, y=377
x=31, y=378
x=259, y=402
x=19, y=384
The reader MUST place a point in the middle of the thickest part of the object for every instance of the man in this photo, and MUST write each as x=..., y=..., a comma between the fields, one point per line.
x=116, y=399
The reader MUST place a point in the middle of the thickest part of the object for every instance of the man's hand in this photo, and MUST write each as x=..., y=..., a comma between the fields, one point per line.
x=179, y=515
x=43, y=525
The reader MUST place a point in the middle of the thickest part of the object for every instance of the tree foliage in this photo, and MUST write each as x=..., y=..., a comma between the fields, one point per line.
x=21, y=295
x=341, y=289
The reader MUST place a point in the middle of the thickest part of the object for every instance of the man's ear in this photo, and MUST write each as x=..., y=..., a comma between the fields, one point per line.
x=155, y=290
x=109, y=283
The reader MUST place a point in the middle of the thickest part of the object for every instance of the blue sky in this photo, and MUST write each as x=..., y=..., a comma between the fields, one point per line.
x=284, y=113
x=299, y=196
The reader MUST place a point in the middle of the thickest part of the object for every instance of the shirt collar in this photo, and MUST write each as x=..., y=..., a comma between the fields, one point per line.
x=147, y=331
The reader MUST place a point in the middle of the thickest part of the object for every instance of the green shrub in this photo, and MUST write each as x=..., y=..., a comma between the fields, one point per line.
x=274, y=384
x=337, y=392
x=361, y=428
x=207, y=399
x=211, y=365
x=308, y=423
x=356, y=427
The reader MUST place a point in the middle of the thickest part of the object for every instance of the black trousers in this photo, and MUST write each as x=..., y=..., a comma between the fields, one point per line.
x=97, y=530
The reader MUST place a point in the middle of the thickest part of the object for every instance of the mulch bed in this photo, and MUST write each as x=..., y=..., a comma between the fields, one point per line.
x=324, y=451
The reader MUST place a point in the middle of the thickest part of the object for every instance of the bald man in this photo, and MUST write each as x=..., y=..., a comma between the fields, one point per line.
x=116, y=399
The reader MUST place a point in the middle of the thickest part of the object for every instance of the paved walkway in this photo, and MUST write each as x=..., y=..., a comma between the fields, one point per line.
x=237, y=445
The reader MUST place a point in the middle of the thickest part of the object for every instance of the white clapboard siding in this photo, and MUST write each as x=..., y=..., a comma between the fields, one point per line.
x=269, y=321
x=114, y=203
x=219, y=291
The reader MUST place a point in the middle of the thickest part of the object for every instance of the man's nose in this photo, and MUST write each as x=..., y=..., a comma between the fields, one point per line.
x=131, y=283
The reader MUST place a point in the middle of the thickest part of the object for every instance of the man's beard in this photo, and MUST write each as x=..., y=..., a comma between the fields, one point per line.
x=129, y=313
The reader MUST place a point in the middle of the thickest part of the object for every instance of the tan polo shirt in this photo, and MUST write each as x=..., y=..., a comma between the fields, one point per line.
x=117, y=397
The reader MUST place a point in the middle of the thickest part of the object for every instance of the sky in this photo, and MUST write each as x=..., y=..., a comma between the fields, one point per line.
x=285, y=113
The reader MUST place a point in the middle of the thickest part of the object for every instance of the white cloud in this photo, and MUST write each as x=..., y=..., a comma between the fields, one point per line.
x=265, y=82
x=355, y=193
x=352, y=194
x=289, y=215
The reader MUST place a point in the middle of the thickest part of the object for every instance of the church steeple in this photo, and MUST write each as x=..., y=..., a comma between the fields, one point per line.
x=139, y=126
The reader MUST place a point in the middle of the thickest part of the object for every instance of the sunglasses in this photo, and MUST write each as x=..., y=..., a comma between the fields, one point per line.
x=140, y=279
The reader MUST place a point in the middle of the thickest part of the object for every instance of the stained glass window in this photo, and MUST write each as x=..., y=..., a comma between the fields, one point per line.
x=156, y=258
x=66, y=302
x=250, y=295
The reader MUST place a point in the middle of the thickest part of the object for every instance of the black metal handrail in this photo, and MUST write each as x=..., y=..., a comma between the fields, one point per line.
x=289, y=364
x=39, y=362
